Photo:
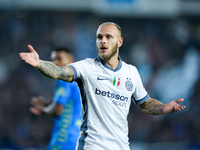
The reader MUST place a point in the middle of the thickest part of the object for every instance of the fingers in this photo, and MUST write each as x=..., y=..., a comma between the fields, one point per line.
x=173, y=106
x=35, y=111
x=32, y=57
x=41, y=98
x=179, y=107
x=31, y=48
x=24, y=55
x=33, y=101
x=179, y=100
x=37, y=101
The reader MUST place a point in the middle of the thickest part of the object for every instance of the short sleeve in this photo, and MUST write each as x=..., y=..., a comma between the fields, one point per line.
x=80, y=68
x=140, y=95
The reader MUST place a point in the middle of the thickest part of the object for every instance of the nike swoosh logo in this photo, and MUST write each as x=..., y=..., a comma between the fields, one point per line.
x=101, y=78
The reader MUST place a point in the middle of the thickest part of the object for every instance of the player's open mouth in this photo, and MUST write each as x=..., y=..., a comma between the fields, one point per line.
x=103, y=48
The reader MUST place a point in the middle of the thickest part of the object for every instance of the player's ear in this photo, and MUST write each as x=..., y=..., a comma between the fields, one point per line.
x=120, y=42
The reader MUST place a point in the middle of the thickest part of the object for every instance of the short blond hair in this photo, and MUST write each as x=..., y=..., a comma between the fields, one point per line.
x=111, y=23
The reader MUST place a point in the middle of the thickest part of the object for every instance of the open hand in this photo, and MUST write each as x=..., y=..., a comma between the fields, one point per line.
x=31, y=57
x=173, y=106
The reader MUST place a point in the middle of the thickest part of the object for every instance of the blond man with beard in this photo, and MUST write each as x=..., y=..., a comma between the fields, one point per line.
x=107, y=87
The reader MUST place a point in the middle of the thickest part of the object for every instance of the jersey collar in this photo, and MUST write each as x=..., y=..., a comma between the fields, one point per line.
x=106, y=66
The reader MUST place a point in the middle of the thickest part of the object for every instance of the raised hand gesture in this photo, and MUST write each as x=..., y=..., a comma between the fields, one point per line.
x=32, y=57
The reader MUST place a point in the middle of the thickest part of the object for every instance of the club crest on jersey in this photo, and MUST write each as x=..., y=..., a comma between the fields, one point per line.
x=116, y=81
x=129, y=84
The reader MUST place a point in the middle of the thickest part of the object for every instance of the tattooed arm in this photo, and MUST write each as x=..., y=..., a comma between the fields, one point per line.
x=47, y=68
x=152, y=106
x=50, y=70
x=155, y=107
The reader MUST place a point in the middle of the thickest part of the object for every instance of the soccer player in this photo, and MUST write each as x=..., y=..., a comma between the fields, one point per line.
x=65, y=107
x=107, y=87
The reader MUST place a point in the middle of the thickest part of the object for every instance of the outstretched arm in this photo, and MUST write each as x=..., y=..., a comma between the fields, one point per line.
x=155, y=107
x=47, y=68
x=50, y=70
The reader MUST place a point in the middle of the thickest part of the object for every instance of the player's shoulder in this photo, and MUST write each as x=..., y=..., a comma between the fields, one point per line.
x=87, y=61
x=129, y=66
x=84, y=64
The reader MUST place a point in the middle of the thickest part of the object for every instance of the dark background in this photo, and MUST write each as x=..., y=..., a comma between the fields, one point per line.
x=164, y=48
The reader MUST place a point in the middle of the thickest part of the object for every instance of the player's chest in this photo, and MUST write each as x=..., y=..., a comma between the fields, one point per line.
x=121, y=82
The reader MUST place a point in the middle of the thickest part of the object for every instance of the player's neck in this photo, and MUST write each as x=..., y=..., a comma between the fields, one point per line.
x=112, y=62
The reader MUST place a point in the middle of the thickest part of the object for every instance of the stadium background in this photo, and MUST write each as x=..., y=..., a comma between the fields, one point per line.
x=161, y=38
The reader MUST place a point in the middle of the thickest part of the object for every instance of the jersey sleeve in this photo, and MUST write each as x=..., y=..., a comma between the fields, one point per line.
x=62, y=92
x=80, y=68
x=140, y=95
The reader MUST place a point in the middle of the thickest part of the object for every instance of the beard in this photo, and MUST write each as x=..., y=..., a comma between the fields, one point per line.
x=110, y=54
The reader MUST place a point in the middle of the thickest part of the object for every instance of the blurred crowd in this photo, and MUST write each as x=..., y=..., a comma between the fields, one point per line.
x=165, y=51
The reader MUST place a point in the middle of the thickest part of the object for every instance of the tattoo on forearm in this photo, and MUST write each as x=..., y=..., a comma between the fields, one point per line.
x=50, y=70
x=153, y=107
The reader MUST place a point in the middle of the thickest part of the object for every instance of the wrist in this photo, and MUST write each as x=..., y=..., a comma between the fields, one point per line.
x=38, y=66
x=164, y=109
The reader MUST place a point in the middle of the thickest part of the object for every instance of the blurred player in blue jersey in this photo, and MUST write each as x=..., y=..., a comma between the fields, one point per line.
x=65, y=107
x=107, y=85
